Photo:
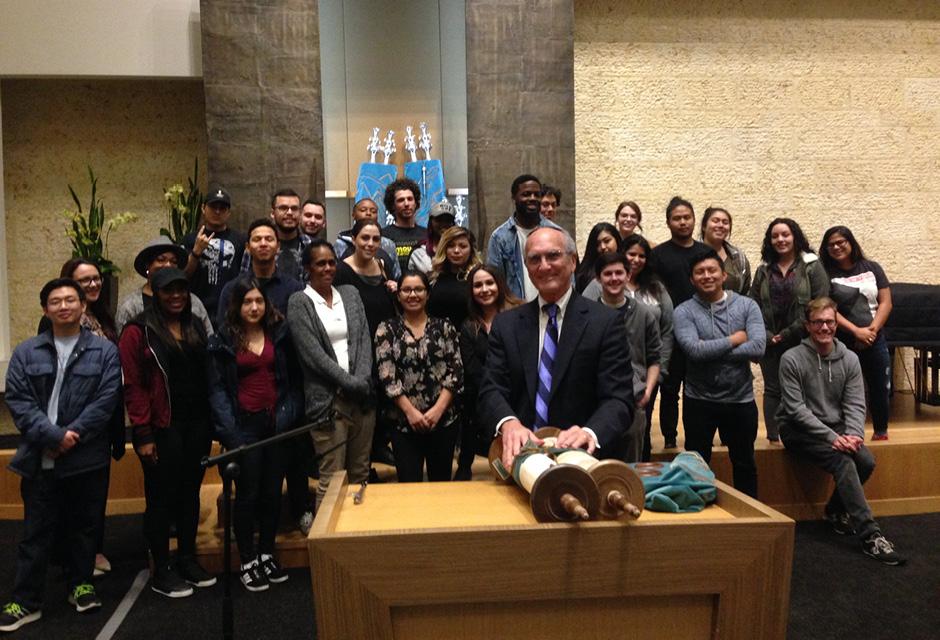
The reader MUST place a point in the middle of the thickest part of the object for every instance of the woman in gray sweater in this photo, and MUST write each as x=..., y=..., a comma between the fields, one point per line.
x=334, y=347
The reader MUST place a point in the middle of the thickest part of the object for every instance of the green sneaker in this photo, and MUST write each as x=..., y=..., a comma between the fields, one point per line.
x=14, y=616
x=83, y=597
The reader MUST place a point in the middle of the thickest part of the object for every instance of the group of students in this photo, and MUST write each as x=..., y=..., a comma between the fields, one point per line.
x=380, y=336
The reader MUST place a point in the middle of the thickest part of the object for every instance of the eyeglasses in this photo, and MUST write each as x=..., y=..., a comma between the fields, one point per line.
x=819, y=324
x=85, y=282
x=838, y=244
x=414, y=291
x=551, y=257
x=283, y=208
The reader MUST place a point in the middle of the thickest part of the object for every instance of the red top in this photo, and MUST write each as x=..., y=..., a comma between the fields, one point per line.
x=257, y=390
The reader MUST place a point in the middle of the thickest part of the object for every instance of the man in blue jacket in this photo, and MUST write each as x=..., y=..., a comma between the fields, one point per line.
x=61, y=388
x=720, y=332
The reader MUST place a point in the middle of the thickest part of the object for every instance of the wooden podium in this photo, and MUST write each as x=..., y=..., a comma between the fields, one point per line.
x=456, y=560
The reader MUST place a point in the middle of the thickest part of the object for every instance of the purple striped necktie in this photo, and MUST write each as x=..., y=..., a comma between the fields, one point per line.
x=546, y=360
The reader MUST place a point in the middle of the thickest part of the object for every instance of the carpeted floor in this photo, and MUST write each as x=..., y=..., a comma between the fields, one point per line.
x=837, y=592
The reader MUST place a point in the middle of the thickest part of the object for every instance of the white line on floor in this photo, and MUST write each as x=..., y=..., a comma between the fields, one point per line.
x=114, y=622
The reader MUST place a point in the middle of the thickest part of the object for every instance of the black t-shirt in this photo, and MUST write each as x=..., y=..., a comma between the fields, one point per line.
x=218, y=264
x=672, y=266
x=405, y=239
x=377, y=301
x=448, y=298
x=288, y=258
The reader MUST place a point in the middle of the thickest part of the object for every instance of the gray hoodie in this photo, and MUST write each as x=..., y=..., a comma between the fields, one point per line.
x=822, y=396
x=716, y=371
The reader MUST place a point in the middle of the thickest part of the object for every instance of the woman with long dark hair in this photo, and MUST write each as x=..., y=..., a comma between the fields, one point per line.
x=861, y=289
x=456, y=255
x=603, y=238
x=421, y=373
x=646, y=288
x=489, y=295
x=254, y=394
x=163, y=357
x=789, y=276
x=368, y=274
x=715, y=230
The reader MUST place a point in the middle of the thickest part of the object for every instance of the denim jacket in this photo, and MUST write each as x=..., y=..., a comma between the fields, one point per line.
x=90, y=391
x=503, y=252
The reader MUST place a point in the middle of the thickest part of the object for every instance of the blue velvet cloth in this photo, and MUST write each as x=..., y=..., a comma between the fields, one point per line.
x=684, y=485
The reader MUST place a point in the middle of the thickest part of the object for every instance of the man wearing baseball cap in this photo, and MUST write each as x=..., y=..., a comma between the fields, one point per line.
x=158, y=254
x=440, y=218
x=214, y=252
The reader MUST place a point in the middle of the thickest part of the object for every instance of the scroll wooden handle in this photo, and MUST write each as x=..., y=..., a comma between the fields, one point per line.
x=573, y=506
x=619, y=501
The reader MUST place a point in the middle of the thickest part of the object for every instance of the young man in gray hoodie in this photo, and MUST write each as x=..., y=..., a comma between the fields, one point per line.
x=822, y=419
x=720, y=332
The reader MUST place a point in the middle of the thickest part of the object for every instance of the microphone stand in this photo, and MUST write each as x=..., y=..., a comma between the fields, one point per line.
x=228, y=464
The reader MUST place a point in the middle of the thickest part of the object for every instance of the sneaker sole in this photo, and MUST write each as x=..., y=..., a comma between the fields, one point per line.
x=278, y=580
x=172, y=594
x=263, y=587
x=202, y=584
x=33, y=617
x=882, y=560
x=84, y=608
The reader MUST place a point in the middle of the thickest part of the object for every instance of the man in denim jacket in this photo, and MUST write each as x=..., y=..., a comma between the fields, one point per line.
x=62, y=387
x=508, y=239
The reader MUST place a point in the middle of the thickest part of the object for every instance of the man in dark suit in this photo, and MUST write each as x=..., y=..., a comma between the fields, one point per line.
x=559, y=361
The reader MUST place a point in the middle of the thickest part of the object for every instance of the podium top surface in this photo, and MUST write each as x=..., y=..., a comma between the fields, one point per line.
x=443, y=505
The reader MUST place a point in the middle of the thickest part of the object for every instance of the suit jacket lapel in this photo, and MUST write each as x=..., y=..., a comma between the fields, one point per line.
x=528, y=337
x=571, y=329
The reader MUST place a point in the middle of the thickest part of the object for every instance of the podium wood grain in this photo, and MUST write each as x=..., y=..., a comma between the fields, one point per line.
x=468, y=560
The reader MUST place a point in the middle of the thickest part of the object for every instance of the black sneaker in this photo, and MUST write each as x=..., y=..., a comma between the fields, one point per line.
x=194, y=574
x=273, y=570
x=254, y=577
x=14, y=616
x=878, y=547
x=167, y=583
x=83, y=598
x=841, y=523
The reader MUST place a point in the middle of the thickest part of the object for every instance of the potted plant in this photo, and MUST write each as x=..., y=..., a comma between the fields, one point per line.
x=89, y=233
x=183, y=209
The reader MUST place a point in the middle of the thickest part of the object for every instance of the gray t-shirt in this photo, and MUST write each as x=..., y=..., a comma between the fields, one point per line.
x=63, y=348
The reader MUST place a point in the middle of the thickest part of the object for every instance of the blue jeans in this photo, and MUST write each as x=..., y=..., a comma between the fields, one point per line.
x=876, y=369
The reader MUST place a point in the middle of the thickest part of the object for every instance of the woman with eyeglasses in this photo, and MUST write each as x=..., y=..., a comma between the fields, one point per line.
x=861, y=289
x=453, y=260
x=420, y=371
x=489, y=295
x=628, y=218
x=789, y=276
x=715, y=230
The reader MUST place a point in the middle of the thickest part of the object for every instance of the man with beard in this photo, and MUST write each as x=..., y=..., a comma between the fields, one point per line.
x=507, y=243
x=215, y=251
x=313, y=218
x=402, y=199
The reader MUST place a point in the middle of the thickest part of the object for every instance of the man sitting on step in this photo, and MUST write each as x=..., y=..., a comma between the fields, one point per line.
x=822, y=420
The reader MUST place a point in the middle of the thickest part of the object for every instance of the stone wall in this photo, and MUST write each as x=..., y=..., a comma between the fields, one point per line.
x=138, y=135
x=261, y=69
x=828, y=112
x=520, y=103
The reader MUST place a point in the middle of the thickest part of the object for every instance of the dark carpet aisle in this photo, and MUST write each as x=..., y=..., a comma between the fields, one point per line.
x=837, y=592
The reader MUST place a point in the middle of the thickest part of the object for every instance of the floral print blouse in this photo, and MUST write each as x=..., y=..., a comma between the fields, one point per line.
x=419, y=368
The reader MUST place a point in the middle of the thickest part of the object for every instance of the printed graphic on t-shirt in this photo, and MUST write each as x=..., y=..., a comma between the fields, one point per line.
x=217, y=258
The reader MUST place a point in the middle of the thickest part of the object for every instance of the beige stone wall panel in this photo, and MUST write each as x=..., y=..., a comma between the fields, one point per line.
x=138, y=136
x=826, y=112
